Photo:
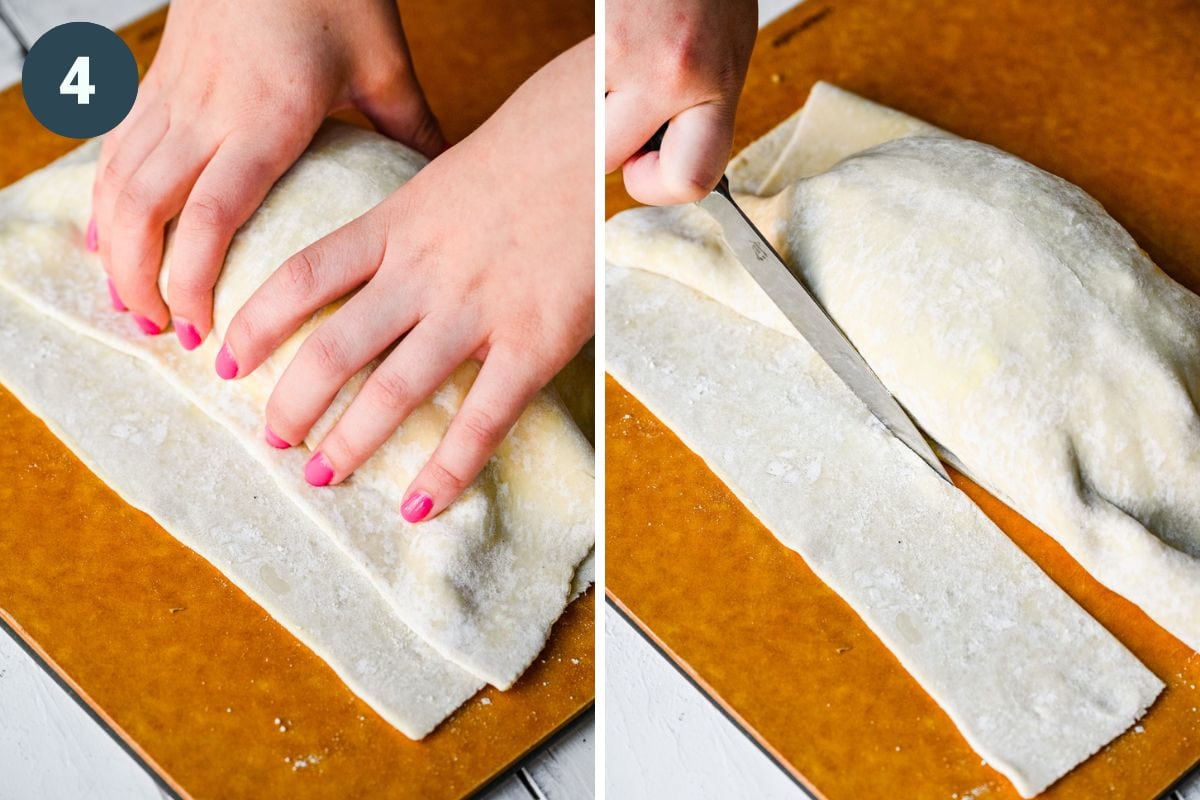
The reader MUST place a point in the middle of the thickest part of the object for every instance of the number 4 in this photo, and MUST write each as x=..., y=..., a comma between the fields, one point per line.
x=78, y=81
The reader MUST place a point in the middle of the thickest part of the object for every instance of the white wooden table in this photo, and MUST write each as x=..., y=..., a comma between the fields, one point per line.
x=49, y=746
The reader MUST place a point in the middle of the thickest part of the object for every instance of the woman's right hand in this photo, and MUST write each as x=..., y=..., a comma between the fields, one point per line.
x=682, y=62
x=233, y=97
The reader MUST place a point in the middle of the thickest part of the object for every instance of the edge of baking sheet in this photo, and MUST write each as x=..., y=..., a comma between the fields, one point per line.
x=127, y=743
x=729, y=712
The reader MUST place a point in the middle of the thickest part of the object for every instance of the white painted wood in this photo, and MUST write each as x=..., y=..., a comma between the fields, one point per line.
x=1189, y=789
x=768, y=10
x=510, y=788
x=663, y=738
x=566, y=768
x=563, y=770
x=11, y=58
x=50, y=747
x=32, y=18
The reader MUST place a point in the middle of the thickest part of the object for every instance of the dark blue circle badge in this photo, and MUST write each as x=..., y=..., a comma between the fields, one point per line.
x=80, y=80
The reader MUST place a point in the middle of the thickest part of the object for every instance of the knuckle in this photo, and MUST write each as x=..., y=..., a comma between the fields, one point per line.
x=443, y=476
x=244, y=331
x=188, y=287
x=478, y=430
x=300, y=272
x=327, y=352
x=531, y=345
x=112, y=174
x=261, y=169
x=390, y=391
x=265, y=100
x=136, y=202
x=207, y=212
x=682, y=64
x=618, y=41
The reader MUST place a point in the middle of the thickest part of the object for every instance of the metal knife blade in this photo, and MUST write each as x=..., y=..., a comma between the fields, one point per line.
x=787, y=290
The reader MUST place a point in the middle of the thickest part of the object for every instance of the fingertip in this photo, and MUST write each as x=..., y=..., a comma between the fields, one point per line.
x=148, y=326
x=416, y=506
x=318, y=472
x=226, y=365
x=274, y=439
x=189, y=337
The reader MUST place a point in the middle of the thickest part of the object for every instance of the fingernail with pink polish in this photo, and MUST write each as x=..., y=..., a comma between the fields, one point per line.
x=148, y=326
x=317, y=471
x=416, y=507
x=92, y=241
x=115, y=298
x=189, y=337
x=279, y=444
x=227, y=368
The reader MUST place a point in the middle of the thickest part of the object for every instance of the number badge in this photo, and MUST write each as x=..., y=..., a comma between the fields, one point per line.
x=79, y=80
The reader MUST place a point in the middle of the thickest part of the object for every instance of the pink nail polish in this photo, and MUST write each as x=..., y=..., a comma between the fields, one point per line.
x=189, y=337
x=279, y=444
x=227, y=368
x=115, y=298
x=148, y=326
x=317, y=471
x=92, y=241
x=416, y=507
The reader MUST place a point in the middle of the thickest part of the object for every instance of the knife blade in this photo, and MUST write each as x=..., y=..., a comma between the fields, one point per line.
x=787, y=290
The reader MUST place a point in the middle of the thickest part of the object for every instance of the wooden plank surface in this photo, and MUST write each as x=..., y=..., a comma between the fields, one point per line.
x=664, y=738
x=1102, y=94
x=11, y=57
x=32, y=18
x=50, y=746
x=555, y=772
x=90, y=582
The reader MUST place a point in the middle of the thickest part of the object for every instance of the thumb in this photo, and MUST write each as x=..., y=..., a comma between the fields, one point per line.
x=398, y=109
x=693, y=155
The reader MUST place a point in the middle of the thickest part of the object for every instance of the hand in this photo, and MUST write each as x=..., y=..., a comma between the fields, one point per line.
x=233, y=97
x=682, y=61
x=486, y=254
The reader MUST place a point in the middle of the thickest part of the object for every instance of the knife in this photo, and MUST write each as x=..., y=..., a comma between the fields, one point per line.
x=785, y=286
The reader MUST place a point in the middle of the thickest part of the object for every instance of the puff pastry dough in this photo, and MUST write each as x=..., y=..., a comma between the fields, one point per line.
x=465, y=599
x=1032, y=681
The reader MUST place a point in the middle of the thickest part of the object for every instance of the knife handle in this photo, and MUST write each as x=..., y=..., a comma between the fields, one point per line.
x=656, y=140
x=655, y=144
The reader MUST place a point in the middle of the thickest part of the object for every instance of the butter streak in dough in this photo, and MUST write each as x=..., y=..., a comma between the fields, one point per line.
x=482, y=583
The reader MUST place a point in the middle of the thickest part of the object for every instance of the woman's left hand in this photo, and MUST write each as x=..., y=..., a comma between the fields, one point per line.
x=485, y=254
